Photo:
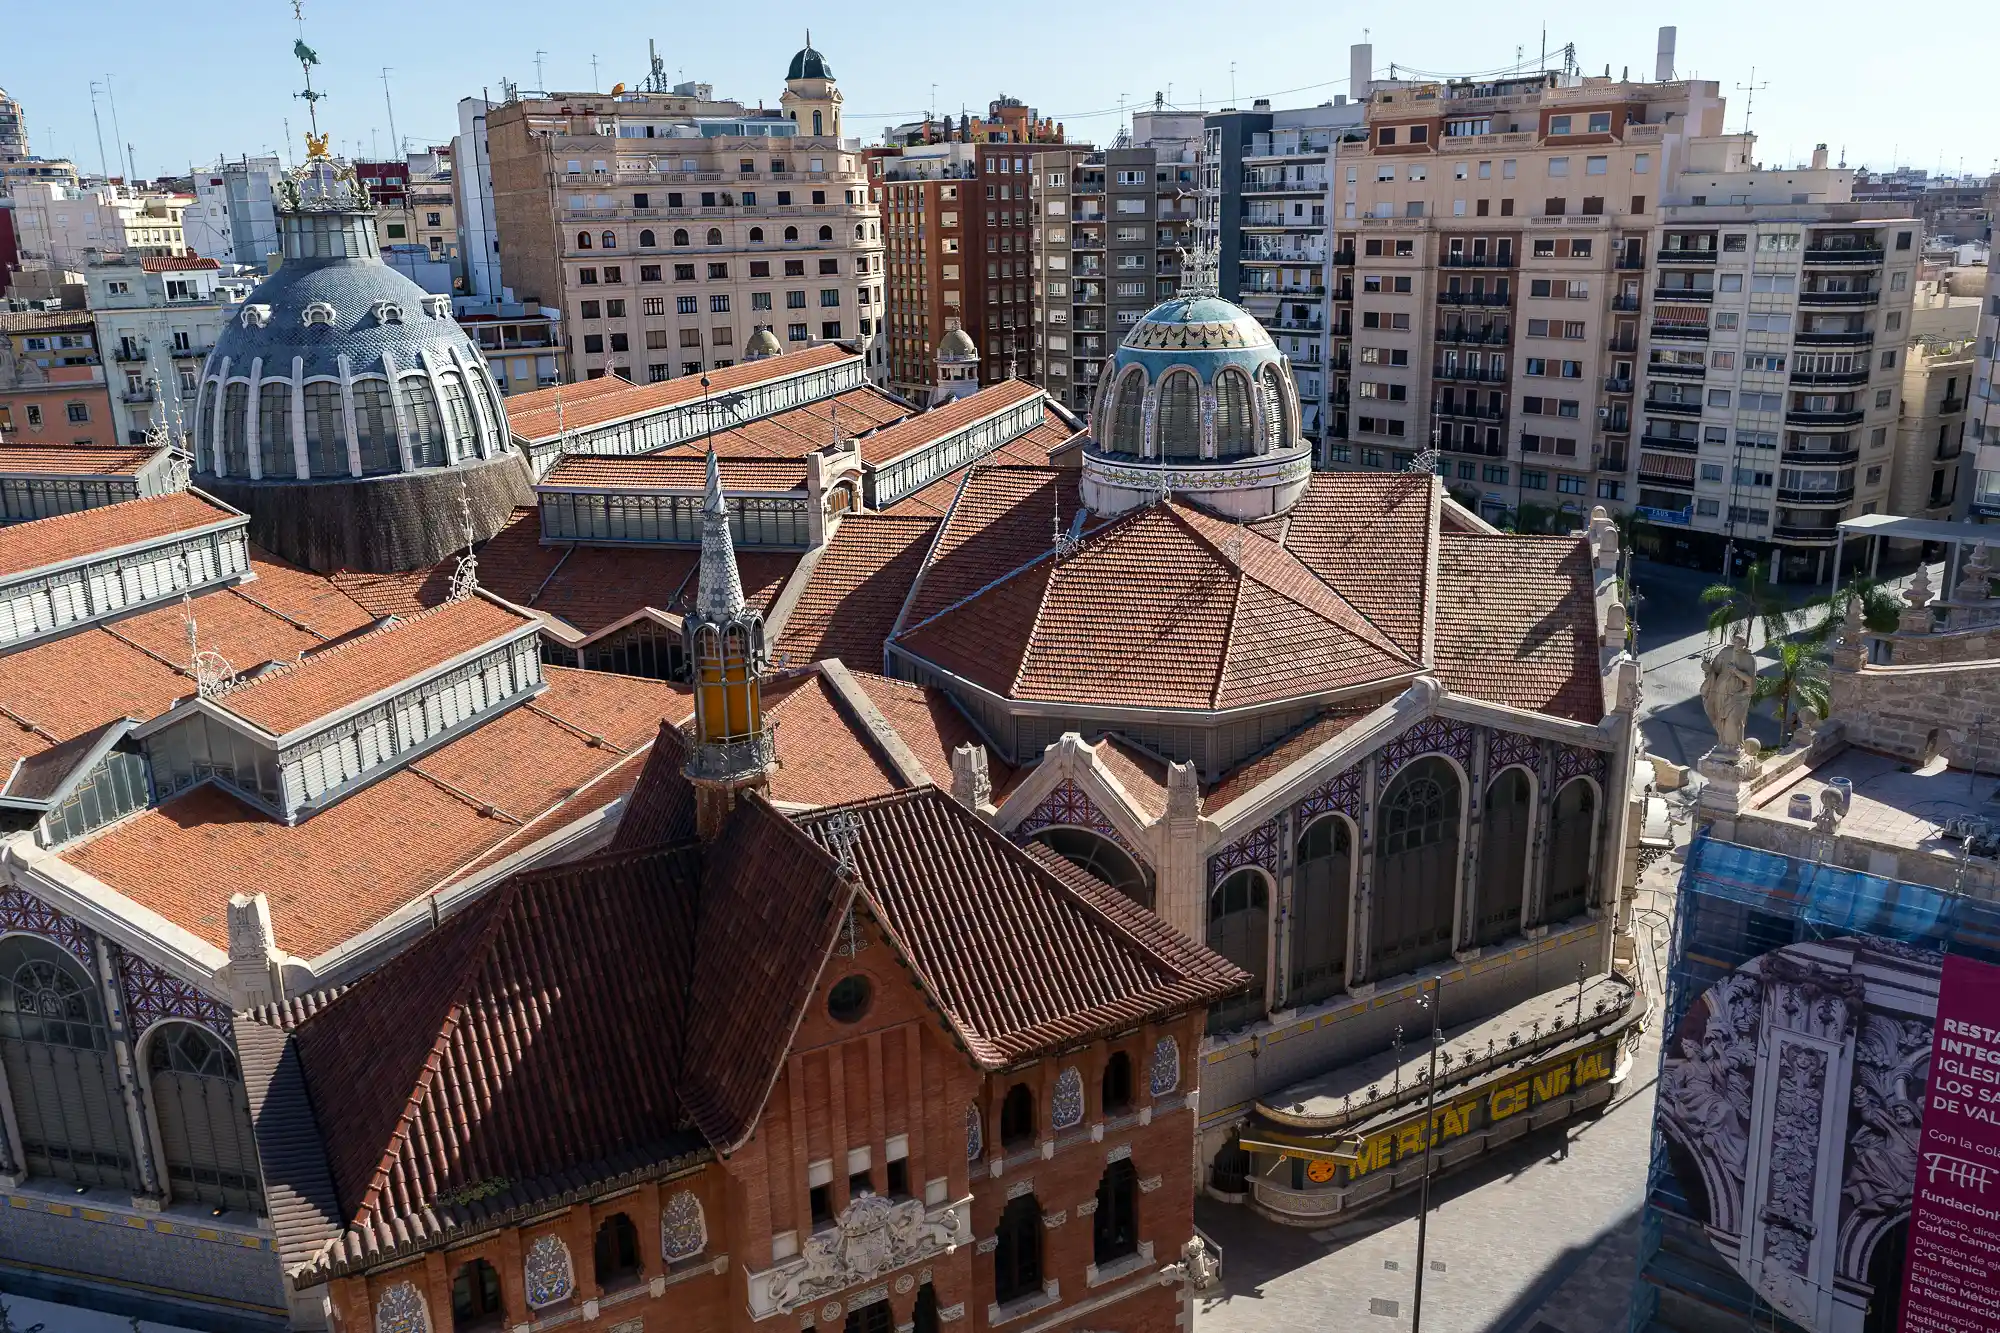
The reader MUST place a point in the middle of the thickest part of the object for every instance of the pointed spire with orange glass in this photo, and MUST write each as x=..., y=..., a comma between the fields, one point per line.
x=732, y=749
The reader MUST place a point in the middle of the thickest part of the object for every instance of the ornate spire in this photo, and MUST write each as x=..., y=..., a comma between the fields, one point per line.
x=719, y=591
x=1201, y=268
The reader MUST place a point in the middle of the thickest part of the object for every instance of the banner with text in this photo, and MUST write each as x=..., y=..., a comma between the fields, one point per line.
x=1952, y=1282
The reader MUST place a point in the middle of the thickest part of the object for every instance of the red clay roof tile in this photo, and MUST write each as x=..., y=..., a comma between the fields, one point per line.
x=1517, y=623
x=42, y=542
x=532, y=416
x=939, y=422
x=857, y=589
x=72, y=460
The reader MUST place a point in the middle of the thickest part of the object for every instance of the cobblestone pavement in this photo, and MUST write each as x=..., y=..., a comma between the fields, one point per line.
x=1539, y=1238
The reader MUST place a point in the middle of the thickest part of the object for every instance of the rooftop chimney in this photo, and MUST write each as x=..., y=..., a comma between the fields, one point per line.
x=1663, y=63
x=1360, y=69
x=1819, y=157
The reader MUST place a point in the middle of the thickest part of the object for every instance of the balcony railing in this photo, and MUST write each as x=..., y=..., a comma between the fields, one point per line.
x=1613, y=462
x=1630, y=263
x=1946, y=452
x=1821, y=457
x=1698, y=332
x=1823, y=420
x=1625, y=303
x=1627, y=345
x=1472, y=298
x=129, y=356
x=1793, y=532
x=1462, y=337
x=1617, y=384
x=1470, y=375
x=1839, y=298
x=1672, y=408
x=1670, y=442
x=1831, y=377
x=1477, y=260
x=1835, y=338
x=1295, y=325
x=1470, y=412
x=1677, y=370
x=1344, y=258
x=1951, y=405
x=1699, y=295
x=1793, y=496
x=145, y=395
x=1670, y=258
x=1852, y=255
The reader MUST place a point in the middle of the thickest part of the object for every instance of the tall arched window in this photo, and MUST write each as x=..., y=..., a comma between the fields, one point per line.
x=826, y=233
x=1179, y=416
x=61, y=1071
x=204, y=430
x=1017, y=1259
x=609, y=240
x=426, y=430
x=583, y=240
x=459, y=428
x=1017, y=1117
x=1097, y=854
x=475, y=1297
x=1128, y=415
x=819, y=126
x=1503, y=856
x=1114, y=1231
x=646, y=240
x=204, y=1118
x=1239, y=930
x=1320, y=899
x=680, y=236
x=1114, y=1096
x=235, y=430
x=1416, y=868
x=715, y=236
x=791, y=233
x=375, y=425
x=326, y=430
x=756, y=235
x=1235, y=428
x=1572, y=830
x=274, y=430
x=927, y=1318
x=617, y=1252
x=1277, y=411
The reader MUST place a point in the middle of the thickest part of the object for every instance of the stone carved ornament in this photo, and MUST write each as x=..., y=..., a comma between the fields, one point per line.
x=1892, y=1066
x=1793, y=1169
x=1705, y=1088
x=872, y=1236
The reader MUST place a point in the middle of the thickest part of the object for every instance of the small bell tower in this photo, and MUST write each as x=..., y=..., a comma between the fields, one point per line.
x=732, y=749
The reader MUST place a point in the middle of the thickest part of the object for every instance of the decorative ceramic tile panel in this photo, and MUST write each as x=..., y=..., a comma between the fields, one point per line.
x=1434, y=735
x=1342, y=793
x=683, y=1229
x=1066, y=1110
x=23, y=911
x=400, y=1309
x=152, y=994
x=551, y=1277
x=1573, y=761
x=1506, y=748
x=975, y=1133
x=1164, y=1074
x=1069, y=805
x=1258, y=847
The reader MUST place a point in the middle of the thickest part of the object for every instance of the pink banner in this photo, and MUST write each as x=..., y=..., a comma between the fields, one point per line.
x=1952, y=1284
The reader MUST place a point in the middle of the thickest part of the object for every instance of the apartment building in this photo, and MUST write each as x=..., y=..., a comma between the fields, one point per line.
x=234, y=218
x=1111, y=226
x=1771, y=361
x=1932, y=410
x=522, y=344
x=1267, y=178
x=669, y=227
x=156, y=319
x=52, y=379
x=955, y=226
x=1983, y=412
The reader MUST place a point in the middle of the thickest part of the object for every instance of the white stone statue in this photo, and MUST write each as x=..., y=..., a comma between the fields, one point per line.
x=1729, y=680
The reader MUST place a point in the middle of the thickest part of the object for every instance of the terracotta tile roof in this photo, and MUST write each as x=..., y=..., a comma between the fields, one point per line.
x=1032, y=450
x=675, y=471
x=1164, y=607
x=176, y=263
x=401, y=594
x=1371, y=538
x=930, y=724
x=1143, y=776
x=51, y=541
x=1002, y=520
x=662, y=804
x=1020, y=951
x=513, y=563
x=359, y=860
x=253, y=635
x=303, y=596
x=939, y=422
x=824, y=757
x=1255, y=771
x=857, y=589
x=532, y=416
x=1528, y=639
x=72, y=460
x=799, y=431
x=63, y=687
x=348, y=673
x=37, y=321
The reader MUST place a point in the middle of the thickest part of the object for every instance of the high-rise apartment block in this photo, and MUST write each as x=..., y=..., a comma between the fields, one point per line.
x=157, y=318
x=1110, y=227
x=668, y=227
x=1930, y=430
x=1983, y=416
x=234, y=219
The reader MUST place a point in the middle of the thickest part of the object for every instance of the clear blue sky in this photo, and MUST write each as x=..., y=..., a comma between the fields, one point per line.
x=193, y=83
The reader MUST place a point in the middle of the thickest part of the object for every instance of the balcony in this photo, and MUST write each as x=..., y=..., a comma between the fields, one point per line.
x=1613, y=463
x=189, y=353
x=1699, y=295
x=1470, y=412
x=1473, y=298
x=1650, y=474
x=1469, y=375
x=1853, y=256
x=1671, y=442
x=1672, y=408
x=1838, y=496
x=1462, y=337
x=1477, y=450
x=1478, y=261
x=1821, y=457
x=149, y=394
x=1626, y=345
x=1839, y=298
x=1630, y=263
x=1284, y=187
x=1344, y=258
x=129, y=355
x=1831, y=378
x=1677, y=370
x=1294, y=325
x=1793, y=532
x=1824, y=420
x=1950, y=405
x=1683, y=258
x=1946, y=452
x=1625, y=303
x=1695, y=332
x=1260, y=255
x=1617, y=384
x=1835, y=338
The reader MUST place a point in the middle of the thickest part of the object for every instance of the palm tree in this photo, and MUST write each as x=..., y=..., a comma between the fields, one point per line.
x=1753, y=602
x=1880, y=609
x=1531, y=517
x=1796, y=680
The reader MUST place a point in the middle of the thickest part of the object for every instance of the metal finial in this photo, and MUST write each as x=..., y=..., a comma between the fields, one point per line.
x=213, y=675
x=465, y=578
x=1201, y=267
x=842, y=831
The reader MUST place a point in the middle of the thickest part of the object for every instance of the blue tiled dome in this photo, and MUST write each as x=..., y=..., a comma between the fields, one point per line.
x=809, y=64
x=1197, y=377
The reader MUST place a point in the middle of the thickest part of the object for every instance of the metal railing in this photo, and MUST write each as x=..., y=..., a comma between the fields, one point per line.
x=1470, y=375
x=1670, y=257
x=1477, y=260
x=1831, y=377
x=1617, y=384
x=1677, y=370
x=1835, y=338
x=1839, y=298
x=1794, y=532
x=1671, y=443
x=1472, y=298
x=1849, y=417
x=1668, y=330
x=1671, y=407
x=1853, y=254
x=1695, y=294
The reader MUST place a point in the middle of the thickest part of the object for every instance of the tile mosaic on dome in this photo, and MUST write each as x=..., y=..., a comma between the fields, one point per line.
x=1205, y=337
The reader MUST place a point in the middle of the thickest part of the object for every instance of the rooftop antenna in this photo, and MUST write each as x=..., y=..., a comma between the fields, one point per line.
x=1750, y=91
x=395, y=143
x=541, y=85
x=102, y=167
x=1232, y=83
x=593, y=71
x=307, y=59
x=117, y=134
x=1067, y=541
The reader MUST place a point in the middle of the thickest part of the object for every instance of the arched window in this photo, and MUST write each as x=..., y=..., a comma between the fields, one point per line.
x=583, y=240
x=1503, y=856
x=617, y=1252
x=1235, y=430
x=609, y=240
x=1114, y=1231
x=1097, y=854
x=1239, y=930
x=326, y=430
x=927, y=1318
x=1017, y=1260
x=204, y=430
x=274, y=430
x=1017, y=1117
x=840, y=499
x=204, y=1117
x=819, y=127
x=1320, y=910
x=426, y=430
x=1179, y=416
x=646, y=239
x=1278, y=426
x=1416, y=868
x=756, y=235
x=60, y=1069
x=680, y=236
x=1115, y=1089
x=791, y=233
x=1572, y=830
x=375, y=424
x=826, y=233
x=1128, y=414
x=715, y=236
x=459, y=427
x=235, y=431
x=475, y=1297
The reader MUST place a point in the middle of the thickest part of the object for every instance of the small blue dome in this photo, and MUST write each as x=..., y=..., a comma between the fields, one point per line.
x=1197, y=377
x=809, y=64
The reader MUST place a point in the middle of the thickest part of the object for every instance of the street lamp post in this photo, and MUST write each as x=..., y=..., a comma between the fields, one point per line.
x=1430, y=1132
